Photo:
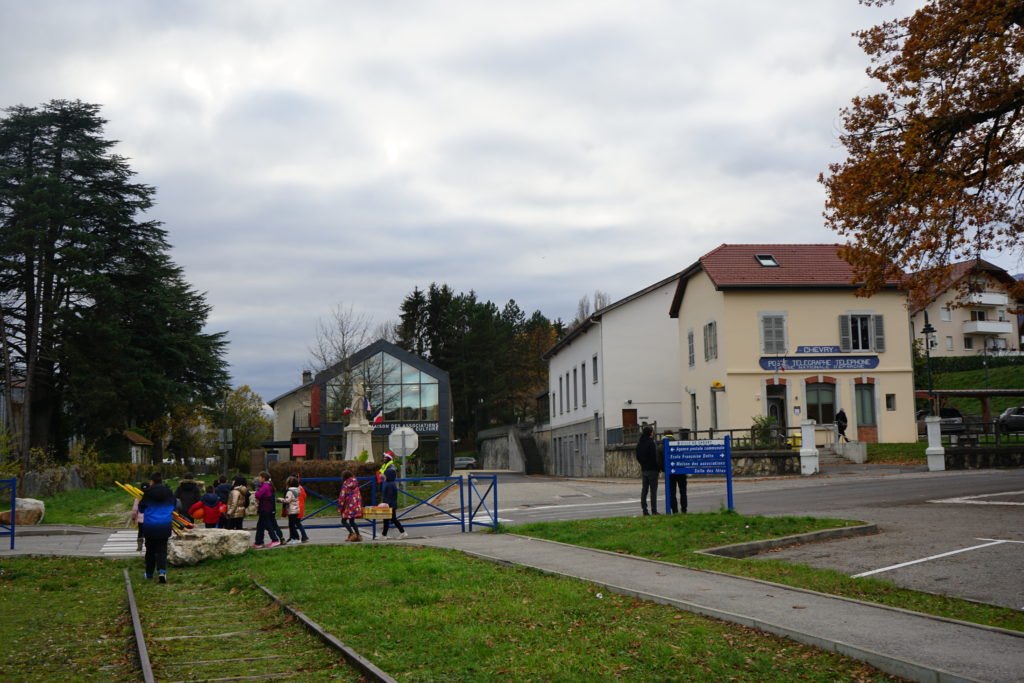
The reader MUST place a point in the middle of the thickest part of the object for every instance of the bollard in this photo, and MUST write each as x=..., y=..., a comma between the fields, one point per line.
x=808, y=448
x=935, y=452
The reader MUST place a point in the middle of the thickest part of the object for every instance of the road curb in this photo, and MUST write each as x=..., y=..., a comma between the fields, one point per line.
x=741, y=550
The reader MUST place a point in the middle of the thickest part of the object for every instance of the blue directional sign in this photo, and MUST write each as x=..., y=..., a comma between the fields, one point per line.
x=703, y=456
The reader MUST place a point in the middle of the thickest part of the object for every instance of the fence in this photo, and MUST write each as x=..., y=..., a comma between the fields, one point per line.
x=414, y=510
x=978, y=434
x=10, y=485
x=765, y=438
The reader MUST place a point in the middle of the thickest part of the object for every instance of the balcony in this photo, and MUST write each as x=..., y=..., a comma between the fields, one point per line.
x=301, y=422
x=988, y=327
x=987, y=299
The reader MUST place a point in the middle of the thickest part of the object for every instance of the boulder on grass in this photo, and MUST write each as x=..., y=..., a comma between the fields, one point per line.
x=197, y=545
x=29, y=511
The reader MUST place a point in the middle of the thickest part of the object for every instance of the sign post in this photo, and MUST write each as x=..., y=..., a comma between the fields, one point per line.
x=403, y=442
x=704, y=456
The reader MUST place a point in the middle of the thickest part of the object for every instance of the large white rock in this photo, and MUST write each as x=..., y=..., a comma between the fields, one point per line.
x=30, y=511
x=202, y=544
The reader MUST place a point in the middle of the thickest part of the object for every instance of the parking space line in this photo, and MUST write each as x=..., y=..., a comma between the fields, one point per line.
x=973, y=500
x=925, y=559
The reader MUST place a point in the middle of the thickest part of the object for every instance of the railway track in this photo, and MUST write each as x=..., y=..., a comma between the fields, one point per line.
x=195, y=632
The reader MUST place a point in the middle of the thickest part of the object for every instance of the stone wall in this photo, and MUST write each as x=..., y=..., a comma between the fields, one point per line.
x=493, y=448
x=984, y=457
x=621, y=462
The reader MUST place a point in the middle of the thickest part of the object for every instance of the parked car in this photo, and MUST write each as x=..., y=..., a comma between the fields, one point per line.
x=1011, y=420
x=465, y=463
x=951, y=421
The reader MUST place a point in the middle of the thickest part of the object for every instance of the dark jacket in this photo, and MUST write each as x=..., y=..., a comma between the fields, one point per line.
x=222, y=491
x=188, y=493
x=157, y=507
x=647, y=454
x=389, y=490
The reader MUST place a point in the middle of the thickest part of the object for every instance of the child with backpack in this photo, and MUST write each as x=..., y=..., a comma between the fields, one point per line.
x=350, y=505
x=209, y=508
x=238, y=501
x=291, y=500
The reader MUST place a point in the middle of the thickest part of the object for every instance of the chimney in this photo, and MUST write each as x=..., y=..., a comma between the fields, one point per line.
x=307, y=376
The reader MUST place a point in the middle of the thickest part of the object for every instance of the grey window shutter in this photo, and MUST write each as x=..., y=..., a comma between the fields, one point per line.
x=844, y=333
x=879, y=333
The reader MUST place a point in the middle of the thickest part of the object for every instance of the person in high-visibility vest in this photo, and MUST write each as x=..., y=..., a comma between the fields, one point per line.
x=389, y=494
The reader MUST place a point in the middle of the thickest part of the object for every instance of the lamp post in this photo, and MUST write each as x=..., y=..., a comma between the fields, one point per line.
x=927, y=331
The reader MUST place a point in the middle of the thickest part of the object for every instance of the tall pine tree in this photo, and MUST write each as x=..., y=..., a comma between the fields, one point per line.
x=101, y=329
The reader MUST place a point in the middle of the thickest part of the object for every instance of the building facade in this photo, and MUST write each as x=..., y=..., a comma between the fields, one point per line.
x=971, y=313
x=404, y=389
x=775, y=330
x=610, y=374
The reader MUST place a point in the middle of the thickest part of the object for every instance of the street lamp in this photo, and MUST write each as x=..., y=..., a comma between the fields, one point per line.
x=927, y=331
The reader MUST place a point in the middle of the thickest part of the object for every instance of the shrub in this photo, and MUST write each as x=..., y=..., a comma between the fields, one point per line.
x=317, y=469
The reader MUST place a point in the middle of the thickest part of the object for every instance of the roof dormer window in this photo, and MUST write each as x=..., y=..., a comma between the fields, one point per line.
x=767, y=260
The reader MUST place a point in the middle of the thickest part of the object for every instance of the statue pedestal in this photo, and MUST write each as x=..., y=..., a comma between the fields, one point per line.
x=357, y=440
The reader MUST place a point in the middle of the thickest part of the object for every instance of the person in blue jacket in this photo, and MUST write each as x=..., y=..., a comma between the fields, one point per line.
x=157, y=505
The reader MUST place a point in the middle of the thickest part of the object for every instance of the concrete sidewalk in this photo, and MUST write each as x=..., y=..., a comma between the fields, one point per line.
x=907, y=644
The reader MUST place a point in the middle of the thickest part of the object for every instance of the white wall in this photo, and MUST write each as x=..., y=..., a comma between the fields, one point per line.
x=641, y=360
x=574, y=356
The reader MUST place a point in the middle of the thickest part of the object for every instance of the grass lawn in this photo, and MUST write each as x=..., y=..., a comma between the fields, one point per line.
x=674, y=538
x=897, y=453
x=419, y=614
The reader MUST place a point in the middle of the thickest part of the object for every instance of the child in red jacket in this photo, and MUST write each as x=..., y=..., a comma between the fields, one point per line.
x=209, y=507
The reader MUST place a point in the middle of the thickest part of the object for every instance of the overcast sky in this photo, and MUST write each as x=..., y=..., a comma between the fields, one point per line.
x=307, y=153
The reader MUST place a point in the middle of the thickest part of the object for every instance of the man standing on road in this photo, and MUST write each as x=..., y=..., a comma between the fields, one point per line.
x=647, y=456
x=676, y=485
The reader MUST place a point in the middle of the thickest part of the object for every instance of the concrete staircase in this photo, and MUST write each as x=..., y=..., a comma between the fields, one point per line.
x=827, y=456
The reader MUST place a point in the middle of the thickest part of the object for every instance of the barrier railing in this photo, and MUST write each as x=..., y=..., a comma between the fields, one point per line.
x=10, y=485
x=474, y=510
x=425, y=511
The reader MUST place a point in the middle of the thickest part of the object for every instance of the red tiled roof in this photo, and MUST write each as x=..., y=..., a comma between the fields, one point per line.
x=800, y=265
x=958, y=271
x=137, y=439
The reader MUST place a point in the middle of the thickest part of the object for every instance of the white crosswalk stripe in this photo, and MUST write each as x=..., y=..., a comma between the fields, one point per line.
x=121, y=543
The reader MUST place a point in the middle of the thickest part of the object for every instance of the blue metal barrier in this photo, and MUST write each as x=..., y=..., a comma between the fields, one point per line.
x=12, y=486
x=367, y=487
x=492, y=487
x=423, y=508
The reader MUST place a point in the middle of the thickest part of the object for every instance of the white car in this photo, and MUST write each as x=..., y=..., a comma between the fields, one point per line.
x=463, y=463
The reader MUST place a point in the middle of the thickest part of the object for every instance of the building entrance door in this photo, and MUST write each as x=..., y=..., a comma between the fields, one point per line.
x=629, y=427
x=776, y=396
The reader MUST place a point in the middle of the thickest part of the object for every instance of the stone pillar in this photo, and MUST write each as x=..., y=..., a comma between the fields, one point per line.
x=935, y=452
x=808, y=448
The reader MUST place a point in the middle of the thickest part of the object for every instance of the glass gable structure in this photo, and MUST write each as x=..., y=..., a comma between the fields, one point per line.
x=410, y=391
x=405, y=392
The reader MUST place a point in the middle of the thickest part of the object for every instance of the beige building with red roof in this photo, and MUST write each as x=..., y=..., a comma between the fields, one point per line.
x=776, y=330
x=971, y=312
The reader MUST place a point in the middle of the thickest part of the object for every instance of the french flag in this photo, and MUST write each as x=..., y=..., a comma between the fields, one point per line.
x=348, y=411
x=366, y=404
x=378, y=417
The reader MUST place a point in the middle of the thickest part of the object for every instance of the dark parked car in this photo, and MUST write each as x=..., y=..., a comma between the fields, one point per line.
x=464, y=463
x=1012, y=420
x=951, y=421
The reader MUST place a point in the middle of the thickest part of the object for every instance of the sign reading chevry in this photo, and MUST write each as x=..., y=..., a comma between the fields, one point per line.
x=703, y=456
